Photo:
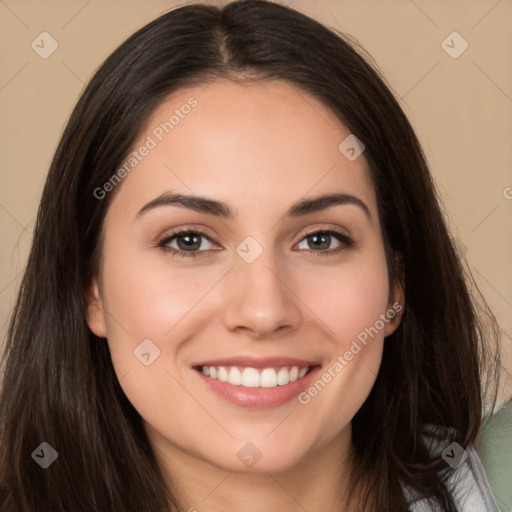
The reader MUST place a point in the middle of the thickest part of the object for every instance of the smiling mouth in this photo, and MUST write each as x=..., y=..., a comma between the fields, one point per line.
x=255, y=378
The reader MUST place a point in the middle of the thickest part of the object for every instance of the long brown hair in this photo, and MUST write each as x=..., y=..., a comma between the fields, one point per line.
x=60, y=386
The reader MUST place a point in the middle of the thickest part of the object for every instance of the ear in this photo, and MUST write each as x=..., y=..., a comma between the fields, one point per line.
x=95, y=311
x=396, y=302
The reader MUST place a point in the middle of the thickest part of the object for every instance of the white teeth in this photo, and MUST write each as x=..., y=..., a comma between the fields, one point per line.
x=283, y=376
x=268, y=378
x=222, y=374
x=235, y=376
x=250, y=378
x=253, y=378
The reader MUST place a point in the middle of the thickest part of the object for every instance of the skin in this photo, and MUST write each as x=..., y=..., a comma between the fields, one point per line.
x=259, y=148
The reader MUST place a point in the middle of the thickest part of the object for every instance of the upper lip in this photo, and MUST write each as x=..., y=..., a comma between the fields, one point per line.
x=257, y=362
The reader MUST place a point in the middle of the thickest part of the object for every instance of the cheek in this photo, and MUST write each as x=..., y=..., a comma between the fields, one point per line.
x=150, y=302
x=350, y=302
x=350, y=298
x=146, y=297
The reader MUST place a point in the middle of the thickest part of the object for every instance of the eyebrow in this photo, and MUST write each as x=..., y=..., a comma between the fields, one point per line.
x=220, y=209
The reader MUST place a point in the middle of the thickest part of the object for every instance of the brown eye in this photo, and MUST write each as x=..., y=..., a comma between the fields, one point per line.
x=321, y=241
x=190, y=243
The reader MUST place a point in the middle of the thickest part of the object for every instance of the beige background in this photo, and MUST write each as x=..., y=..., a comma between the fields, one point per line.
x=461, y=110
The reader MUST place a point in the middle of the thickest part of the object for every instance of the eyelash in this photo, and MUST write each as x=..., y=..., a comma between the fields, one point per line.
x=345, y=241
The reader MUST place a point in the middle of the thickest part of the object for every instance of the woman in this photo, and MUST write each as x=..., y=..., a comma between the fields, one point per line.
x=241, y=291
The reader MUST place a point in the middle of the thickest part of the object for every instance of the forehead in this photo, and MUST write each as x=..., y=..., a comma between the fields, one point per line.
x=260, y=141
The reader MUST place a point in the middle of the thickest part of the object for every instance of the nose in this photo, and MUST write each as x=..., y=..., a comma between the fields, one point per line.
x=260, y=298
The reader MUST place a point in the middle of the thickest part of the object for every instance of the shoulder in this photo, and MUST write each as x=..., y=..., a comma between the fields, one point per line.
x=467, y=482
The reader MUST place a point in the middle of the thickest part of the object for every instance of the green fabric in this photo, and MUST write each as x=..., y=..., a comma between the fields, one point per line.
x=494, y=446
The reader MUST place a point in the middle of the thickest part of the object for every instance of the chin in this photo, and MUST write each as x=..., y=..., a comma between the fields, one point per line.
x=260, y=455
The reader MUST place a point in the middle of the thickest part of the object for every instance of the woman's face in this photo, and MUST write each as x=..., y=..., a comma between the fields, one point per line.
x=277, y=287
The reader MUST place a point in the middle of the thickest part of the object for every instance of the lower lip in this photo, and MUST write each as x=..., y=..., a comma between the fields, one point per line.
x=258, y=398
